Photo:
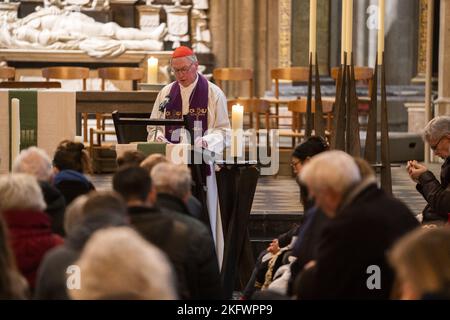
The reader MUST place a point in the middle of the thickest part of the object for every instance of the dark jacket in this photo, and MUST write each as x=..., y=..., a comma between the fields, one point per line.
x=307, y=243
x=51, y=278
x=56, y=205
x=436, y=194
x=187, y=243
x=31, y=238
x=193, y=207
x=72, y=184
x=365, y=227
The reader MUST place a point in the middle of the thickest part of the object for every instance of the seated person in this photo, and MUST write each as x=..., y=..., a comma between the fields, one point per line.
x=70, y=162
x=437, y=194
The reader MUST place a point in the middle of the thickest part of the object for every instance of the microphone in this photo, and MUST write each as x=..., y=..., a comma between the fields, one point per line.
x=164, y=103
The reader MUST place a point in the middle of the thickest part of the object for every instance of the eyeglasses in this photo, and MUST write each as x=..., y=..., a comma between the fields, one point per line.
x=181, y=70
x=434, y=147
x=295, y=163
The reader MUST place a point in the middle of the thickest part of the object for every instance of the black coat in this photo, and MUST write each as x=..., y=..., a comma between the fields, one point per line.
x=56, y=205
x=358, y=237
x=436, y=194
x=51, y=277
x=187, y=243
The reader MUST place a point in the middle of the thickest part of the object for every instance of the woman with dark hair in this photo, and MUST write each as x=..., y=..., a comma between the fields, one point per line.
x=12, y=284
x=70, y=162
x=301, y=155
x=271, y=258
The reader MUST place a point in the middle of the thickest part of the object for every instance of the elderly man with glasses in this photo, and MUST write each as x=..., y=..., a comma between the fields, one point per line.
x=437, y=194
x=205, y=107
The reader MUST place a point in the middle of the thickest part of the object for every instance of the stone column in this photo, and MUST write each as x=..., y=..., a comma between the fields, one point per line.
x=442, y=104
x=401, y=19
x=245, y=34
x=300, y=33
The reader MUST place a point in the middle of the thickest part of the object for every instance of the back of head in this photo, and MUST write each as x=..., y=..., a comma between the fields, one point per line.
x=74, y=214
x=71, y=155
x=334, y=170
x=117, y=262
x=20, y=191
x=437, y=128
x=132, y=183
x=310, y=148
x=34, y=161
x=152, y=160
x=131, y=158
x=422, y=258
x=105, y=202
x=172, y=179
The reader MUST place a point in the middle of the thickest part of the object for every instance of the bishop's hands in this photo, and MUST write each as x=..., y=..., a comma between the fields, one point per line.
x=415, y=170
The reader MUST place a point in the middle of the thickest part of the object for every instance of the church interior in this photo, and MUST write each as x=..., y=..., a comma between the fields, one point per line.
x=224, y=149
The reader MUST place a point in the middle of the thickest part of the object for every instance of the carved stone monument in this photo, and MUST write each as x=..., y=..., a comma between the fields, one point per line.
x=177, y=23
x=64, y=29
x=148, y=16
x=201, y=35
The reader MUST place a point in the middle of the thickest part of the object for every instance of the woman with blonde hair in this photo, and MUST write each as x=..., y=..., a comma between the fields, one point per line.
x=421, y=260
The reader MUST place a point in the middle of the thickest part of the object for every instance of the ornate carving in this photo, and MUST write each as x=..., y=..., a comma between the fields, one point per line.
x=422, y=47
x=177, y=23
x=201, y=35
x=284, y=49
x=149, y=17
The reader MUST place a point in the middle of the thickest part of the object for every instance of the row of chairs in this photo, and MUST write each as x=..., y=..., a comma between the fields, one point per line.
x=79, y=73
x=297, y=106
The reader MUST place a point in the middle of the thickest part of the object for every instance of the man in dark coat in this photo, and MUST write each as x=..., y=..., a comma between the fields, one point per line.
x=437, y=194
x=185, y=240
x=364, y=223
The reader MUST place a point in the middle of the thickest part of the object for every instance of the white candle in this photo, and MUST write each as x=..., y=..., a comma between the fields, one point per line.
x=237, y=125
x=15, y=128
x=380, y=31
x=152, y=70
x=349, y=30
x=343, y=30
x=313, y=29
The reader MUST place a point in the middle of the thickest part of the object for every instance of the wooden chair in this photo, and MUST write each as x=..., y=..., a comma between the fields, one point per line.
x=115, y=73
x=98, y=147
x=363, y=77
x=294, y=74
x=298, y=109
x=8, y=73
x=234, y=74
x=70, y=73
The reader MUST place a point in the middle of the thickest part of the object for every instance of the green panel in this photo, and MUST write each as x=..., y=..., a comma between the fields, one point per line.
x=152, y=147
x=28, y=118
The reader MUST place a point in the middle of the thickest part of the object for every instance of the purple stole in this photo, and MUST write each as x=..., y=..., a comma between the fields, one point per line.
x=198, y=107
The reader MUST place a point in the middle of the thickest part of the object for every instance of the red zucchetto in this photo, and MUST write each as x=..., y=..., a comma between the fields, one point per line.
x=181, y=52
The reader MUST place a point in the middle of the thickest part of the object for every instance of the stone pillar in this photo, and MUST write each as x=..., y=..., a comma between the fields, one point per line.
x=442, y=104
x=401, y=37
x=300, y=33
x=245, y=34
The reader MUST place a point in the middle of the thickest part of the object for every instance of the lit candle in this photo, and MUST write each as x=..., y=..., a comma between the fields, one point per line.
x=237, y=124
x=349, y=30
x=343, y=30
x=313, y=29
x=380, y=31
x=15, y=128
x=152, y=70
